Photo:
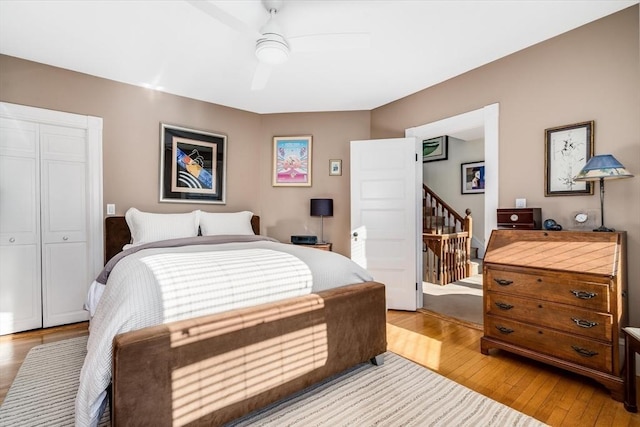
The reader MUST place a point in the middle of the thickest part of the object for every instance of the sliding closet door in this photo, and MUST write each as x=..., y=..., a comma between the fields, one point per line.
x=20, y=290
x=65, y=252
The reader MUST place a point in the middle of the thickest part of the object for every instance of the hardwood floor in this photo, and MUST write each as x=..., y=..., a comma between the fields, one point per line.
x=551, y=395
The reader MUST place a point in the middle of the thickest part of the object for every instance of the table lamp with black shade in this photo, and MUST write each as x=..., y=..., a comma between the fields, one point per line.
x=599, y=168
x=321, y=208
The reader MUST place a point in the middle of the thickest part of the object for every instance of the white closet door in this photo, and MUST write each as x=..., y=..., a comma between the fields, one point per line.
x=65, y=248
x=20, y=290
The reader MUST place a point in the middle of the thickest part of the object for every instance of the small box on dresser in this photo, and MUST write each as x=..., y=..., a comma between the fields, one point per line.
x=556, y=297
x=520, y=218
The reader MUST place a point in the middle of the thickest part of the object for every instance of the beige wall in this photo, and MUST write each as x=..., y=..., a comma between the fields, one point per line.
x=285, y=210
x=131, y=150
x=591, y=73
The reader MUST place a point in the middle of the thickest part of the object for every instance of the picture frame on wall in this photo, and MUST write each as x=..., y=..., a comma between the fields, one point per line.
x=566, y=150
x=434, y=149
x=192, y=165
x=472, y=178
x=335, y=167
x=292, y=161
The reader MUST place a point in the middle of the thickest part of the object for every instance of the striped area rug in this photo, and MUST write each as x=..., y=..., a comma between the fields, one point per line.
x=398, y=393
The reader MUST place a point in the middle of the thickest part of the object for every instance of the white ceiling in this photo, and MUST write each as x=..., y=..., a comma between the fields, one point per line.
x=172, y=46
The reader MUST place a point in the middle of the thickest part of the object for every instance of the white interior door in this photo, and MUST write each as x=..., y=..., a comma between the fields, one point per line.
x=386, y=234
x=20, y=291
x=65, y=251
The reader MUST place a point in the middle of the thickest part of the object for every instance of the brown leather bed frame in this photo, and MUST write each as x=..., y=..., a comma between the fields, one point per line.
x=213, y=369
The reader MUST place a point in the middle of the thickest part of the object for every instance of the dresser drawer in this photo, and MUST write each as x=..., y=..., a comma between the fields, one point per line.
x=592, y=295
x=561, y=317
x=583, y=351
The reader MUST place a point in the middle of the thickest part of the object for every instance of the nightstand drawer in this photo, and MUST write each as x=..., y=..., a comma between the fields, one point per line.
x=321, y=246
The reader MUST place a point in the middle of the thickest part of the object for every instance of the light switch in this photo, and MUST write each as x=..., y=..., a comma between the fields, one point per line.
x=111, y=209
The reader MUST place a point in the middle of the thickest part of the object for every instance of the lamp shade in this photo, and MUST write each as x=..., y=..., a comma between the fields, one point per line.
x=602, y=166
x=321, y=207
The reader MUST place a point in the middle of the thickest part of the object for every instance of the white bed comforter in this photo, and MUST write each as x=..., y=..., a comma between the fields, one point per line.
x=155, y=286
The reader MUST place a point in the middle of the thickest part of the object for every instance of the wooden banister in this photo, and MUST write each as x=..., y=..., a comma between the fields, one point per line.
x=447, y=240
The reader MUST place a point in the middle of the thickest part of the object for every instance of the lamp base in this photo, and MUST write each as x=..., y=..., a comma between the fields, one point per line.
x=603, y=228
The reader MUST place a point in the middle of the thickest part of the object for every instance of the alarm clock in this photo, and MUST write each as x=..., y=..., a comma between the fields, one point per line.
x=583, y=219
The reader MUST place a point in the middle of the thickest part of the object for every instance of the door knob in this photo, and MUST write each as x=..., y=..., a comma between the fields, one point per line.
x=355, y=234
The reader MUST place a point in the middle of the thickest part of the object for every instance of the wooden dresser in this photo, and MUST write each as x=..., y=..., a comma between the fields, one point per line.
x=556, y=297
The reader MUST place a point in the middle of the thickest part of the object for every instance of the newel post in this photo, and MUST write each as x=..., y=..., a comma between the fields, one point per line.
x=468, y=227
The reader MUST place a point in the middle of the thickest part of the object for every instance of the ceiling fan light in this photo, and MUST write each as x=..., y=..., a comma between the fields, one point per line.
x=271, y=50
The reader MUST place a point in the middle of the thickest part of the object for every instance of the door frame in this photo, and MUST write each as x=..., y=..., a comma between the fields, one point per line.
x=486, y=118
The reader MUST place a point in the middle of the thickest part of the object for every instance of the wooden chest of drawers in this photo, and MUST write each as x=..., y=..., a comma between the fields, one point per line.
x=556, y=297
x=520, y=218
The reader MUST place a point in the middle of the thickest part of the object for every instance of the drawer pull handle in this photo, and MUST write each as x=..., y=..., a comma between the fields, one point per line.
x=584, y=294
x=584, y=323
x=583, y=351
x=12, y=239
x=504, y=306
x=503, y=282
x=504, y=330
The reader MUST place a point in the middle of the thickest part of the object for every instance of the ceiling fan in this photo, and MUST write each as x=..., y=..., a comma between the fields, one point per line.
x=272, y=47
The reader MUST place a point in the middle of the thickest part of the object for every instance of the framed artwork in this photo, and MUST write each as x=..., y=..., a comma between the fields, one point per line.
x=292, y=161
x=435, y=149
x=566, y=150
x=335, y=167
x=192, y=165
x=472, y=177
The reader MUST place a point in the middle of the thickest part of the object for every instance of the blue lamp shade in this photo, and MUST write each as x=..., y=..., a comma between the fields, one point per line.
x=602, y=166
x=321, y=207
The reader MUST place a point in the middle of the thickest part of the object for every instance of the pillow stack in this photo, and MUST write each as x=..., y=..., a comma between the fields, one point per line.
x=148, y=227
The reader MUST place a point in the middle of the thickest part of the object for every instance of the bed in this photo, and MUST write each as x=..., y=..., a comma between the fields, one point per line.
x=213, y=368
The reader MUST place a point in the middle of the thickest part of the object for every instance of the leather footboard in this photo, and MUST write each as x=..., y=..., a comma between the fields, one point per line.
x=213, y=369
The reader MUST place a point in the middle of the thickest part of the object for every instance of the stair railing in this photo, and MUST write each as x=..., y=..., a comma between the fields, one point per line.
x=447, y=240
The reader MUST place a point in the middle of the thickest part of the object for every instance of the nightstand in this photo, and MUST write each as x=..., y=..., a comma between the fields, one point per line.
x=322, y=246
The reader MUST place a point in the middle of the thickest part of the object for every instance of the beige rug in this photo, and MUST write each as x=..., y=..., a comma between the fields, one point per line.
x=398, y=393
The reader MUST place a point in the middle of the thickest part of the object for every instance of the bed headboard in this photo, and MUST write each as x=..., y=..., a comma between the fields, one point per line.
x=117, y=234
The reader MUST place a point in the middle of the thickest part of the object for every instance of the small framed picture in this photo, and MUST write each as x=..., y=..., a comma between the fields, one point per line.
x=291, y=161
x=435, y=149
x=335, y=167
x=472, y=177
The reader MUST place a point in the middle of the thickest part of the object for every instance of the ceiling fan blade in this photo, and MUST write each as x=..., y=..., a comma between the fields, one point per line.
x=226, y=18
x=330, y=41
x=261, y=76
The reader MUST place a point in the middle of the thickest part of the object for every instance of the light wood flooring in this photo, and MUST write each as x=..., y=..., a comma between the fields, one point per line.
x=551, y=395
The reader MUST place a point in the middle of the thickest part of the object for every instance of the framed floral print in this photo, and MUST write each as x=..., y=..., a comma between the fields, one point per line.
x=566, y=150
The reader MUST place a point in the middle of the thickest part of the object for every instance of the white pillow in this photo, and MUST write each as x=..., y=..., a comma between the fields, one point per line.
x=214, y=224
x=150, y=227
